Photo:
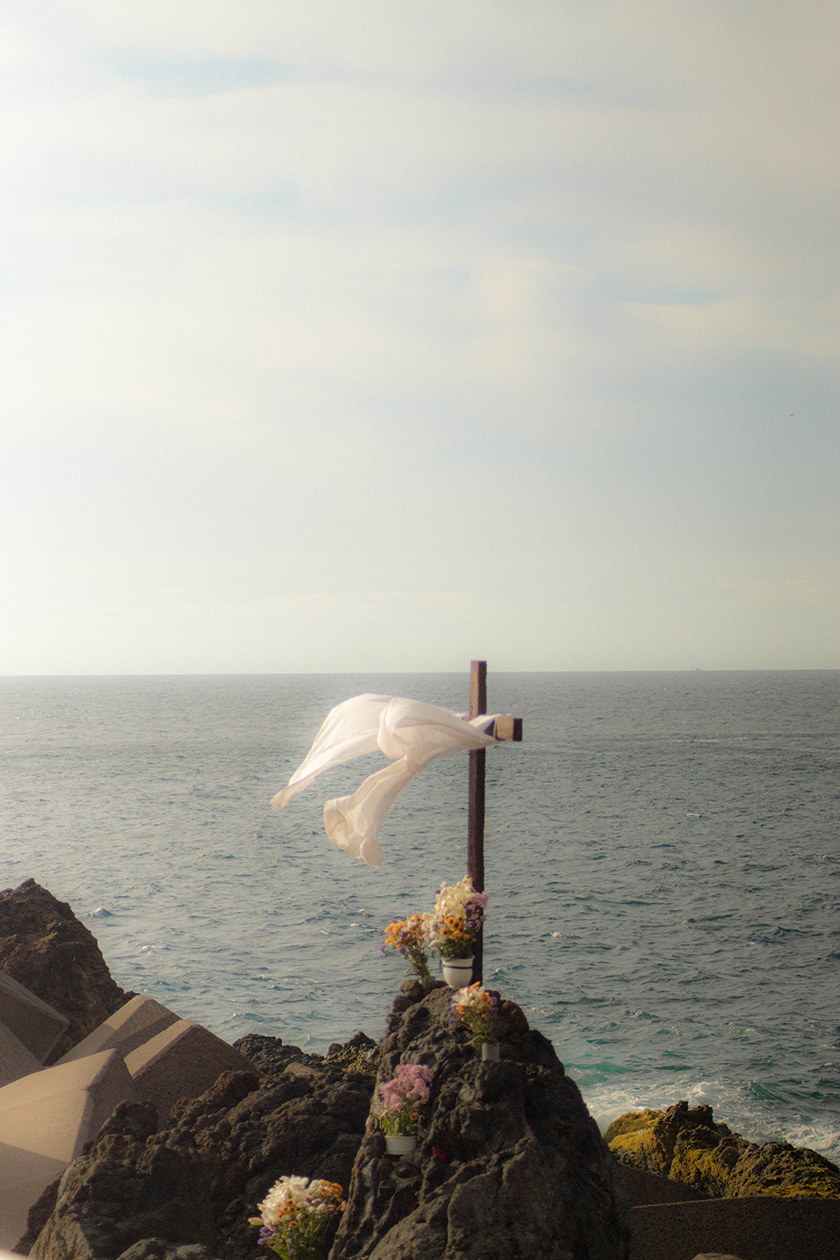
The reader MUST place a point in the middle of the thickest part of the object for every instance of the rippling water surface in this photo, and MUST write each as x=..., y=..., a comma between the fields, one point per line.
x=663, y=859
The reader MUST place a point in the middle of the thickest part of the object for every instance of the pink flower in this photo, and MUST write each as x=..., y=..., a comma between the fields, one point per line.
x=414, y=1081
x=410, y=1085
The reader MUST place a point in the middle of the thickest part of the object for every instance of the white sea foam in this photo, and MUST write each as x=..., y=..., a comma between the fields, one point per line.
x=825, y=1139
x=731, y=1103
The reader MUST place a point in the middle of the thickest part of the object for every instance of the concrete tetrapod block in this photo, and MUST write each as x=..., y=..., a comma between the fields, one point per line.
x=45, y=1120
x=15, y=1060
x=138, y=1021
x=181, y=1062
x=35, y=1024
x=761, y=1228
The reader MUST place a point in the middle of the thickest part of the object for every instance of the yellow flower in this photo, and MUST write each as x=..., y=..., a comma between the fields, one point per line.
x=329, y=1188
x=392, y=933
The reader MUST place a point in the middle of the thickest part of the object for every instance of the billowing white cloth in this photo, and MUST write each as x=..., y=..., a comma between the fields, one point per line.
x=409, y=732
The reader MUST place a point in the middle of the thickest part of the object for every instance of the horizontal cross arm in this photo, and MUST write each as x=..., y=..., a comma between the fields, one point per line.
x=507, y=728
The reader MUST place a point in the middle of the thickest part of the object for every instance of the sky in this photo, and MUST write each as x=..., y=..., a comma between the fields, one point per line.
x=388, y=335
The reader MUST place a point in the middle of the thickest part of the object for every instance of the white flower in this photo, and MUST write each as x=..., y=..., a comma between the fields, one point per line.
x=473, y=995
x=285, y=1197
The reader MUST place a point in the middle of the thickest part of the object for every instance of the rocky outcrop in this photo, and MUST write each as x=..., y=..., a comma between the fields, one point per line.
x=145, y=1194
x=46, y=948
x=687, y=1145
x=509, y=1162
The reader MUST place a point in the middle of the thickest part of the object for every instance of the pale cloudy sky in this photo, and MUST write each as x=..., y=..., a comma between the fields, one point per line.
x=383, y=335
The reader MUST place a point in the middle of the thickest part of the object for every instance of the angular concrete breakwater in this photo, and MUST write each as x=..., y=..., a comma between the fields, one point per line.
x=65, y=1064
x=48, y=1115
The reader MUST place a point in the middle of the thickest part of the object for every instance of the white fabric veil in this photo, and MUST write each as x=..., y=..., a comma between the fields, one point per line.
x=409, y=732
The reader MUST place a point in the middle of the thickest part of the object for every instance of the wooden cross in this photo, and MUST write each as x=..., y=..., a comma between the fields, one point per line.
x=507, y=728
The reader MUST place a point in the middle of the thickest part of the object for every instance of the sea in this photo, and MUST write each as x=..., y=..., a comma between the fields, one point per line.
x=662, y=856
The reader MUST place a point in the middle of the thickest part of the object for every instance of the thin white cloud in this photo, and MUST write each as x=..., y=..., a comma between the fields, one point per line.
x=550, y=275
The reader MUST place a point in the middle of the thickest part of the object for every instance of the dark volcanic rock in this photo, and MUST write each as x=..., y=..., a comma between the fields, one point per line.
x=509, y=1166
x=269, y=1056
x=196, y=1184
x=359, y=1054
x=687, y=1145
x=157, y=1249
x=509, y=1163
x=44, y=947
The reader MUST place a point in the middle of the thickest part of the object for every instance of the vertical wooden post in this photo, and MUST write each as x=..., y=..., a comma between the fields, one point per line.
x=475, y=840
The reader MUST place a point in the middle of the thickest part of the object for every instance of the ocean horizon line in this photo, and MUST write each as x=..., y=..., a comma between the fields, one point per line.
x=427, y=673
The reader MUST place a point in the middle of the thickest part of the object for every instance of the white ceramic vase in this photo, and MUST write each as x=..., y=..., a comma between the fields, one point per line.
x=490, y=1051
x=400, y=1143
x=457, y=972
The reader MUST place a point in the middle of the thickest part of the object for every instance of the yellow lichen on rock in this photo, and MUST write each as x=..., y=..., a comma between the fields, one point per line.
x=628, y=1135
x=648, y=1139
x=688, y=1146
x=784, y=1171
x=629, y=1144
x=631, y=1122
x=704, y=1159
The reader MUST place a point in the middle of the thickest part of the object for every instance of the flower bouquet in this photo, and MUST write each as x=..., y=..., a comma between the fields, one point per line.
x=452, y=929
x=396, y=1102
x=299, y=1218
x=476, y=1008
x=407, y=937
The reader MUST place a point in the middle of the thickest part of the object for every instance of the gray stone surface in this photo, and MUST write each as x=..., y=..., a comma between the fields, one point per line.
x=755, y=1229
x=717, y=1255
x=157, y=1249
x=644, y=1188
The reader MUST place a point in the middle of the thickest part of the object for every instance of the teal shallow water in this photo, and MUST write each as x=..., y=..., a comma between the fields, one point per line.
x=662, y=858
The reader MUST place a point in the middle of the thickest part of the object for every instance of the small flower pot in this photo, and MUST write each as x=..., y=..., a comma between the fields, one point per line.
x=490, y=1051
x=400, y=1143
x=457, y=972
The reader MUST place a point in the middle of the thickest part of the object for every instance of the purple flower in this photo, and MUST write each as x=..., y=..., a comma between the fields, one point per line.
x=397, y=1099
